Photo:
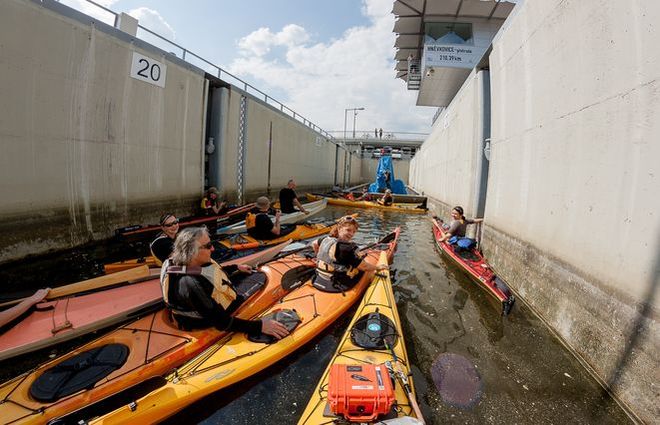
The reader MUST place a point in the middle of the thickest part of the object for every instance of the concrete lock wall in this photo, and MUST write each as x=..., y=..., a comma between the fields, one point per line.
x=297, y=151
x=446, y=167
x=573, y=196
x=85, y=146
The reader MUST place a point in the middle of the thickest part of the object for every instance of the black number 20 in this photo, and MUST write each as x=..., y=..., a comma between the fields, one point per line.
x=154, y=71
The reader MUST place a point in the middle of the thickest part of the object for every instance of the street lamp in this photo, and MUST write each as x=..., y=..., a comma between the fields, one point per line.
x=346, y=163
x=354, y=116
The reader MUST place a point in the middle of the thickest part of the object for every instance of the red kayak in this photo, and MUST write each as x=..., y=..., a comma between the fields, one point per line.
x=53, y=322
x=474, y=264
x=150, y=231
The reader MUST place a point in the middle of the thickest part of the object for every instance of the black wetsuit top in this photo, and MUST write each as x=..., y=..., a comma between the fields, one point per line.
x=287, y=196
x=193, y=293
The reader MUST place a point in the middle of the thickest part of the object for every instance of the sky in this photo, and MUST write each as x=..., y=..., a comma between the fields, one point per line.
x=317, y=57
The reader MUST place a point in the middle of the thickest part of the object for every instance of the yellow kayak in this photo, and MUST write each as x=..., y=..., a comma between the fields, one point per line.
x=236, y=357
x=407, y=208
x=378, y=308
x=301, y=232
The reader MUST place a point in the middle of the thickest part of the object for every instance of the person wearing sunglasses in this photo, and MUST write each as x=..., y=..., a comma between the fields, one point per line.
x=339, y=262
x=162, y=246
x=199, y=293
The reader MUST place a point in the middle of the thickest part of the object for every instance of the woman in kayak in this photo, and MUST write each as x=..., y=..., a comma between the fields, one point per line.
x=339, y=263
x=211, y=203
x=387, y=198
x=458, y=224
x=162, y=246
x=199, y=293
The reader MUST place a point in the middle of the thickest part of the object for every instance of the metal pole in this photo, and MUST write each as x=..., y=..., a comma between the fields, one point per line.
x=354, y=119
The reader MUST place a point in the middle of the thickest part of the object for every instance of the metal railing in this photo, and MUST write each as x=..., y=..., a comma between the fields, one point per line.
x=221, y=73
x=365, y=135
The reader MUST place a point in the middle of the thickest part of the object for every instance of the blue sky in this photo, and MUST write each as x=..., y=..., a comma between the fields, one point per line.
x=317, y=57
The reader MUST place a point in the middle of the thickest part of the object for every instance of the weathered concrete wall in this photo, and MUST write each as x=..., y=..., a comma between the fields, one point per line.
x=573, y=196
x=446, y=167
x=370, y=165
x=297, y=151
x=85, y=146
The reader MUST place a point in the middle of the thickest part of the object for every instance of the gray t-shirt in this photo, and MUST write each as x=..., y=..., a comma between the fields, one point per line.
x=457, y=228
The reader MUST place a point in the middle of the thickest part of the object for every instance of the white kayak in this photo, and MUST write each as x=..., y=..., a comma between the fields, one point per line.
x=311, y=207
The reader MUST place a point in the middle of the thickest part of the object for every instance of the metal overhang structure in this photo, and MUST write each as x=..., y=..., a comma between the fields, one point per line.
x=437, y=84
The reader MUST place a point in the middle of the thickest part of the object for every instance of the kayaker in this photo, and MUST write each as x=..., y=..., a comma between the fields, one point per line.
x=339, y=262
x=458, y=224
x=259, y=224
x=289, y=199
x=211, y=203
x=198, y=291
x=365, y=196
x=387, y=199
x=163, y=245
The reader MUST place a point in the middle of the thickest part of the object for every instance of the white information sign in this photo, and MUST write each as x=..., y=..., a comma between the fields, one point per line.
x=148, y=70
x=452, y=55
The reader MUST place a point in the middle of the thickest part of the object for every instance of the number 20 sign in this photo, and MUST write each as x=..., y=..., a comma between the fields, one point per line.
x=148, y=70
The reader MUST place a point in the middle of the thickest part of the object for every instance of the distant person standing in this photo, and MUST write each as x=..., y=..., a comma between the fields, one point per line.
x=376, y=133
x=380, y=133
x=289, y=199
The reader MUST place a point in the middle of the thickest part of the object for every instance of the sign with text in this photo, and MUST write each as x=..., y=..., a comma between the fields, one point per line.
x=148, y=70
x=452, y=55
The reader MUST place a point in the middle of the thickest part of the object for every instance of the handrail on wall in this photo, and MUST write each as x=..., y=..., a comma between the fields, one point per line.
x=221, y=73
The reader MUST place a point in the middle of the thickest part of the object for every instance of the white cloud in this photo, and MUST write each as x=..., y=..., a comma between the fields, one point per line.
x=322, y=79
x=260, y=42
x=153, y=20
x=94, y=11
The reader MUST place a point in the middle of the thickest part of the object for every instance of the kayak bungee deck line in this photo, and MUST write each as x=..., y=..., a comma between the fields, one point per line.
x=235, y=357
x=379, y=306
x=474, y=264
x=407, y=208
x=155, y=346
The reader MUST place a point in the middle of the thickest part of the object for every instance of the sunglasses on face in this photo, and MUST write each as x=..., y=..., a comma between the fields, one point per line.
x=171, y=224
x=207, y=245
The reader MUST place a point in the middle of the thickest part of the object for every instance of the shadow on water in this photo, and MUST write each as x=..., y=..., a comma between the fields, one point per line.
x=522, y=373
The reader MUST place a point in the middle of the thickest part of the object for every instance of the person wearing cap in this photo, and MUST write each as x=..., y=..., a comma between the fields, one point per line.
x=259, y=224
x=387, y=199
x=199, y=293
x=289, y=199
x=211, y=204
x=339, y=262
x=458, y=224
x=162, y=246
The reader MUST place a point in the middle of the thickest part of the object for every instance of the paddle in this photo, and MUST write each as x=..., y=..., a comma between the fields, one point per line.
x=386, y=239
x=403, y=379
x=92, y=284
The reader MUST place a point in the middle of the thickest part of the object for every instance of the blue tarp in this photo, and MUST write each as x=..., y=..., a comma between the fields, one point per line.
x=385, y=168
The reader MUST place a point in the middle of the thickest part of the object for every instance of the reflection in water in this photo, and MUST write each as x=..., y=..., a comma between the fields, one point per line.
x=457, y=381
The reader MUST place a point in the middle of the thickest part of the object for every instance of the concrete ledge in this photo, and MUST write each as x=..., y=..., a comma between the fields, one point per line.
x=39, y=232
x=605, y=331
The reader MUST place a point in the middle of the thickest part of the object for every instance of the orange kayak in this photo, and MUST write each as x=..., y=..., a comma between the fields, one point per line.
x=236, y=356
x=301, y=232
x=154, y=345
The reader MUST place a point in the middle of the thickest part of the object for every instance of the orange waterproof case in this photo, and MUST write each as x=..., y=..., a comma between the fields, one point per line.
x=360, y=392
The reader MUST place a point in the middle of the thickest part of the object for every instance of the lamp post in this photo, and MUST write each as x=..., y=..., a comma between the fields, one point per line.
x=346, y=149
